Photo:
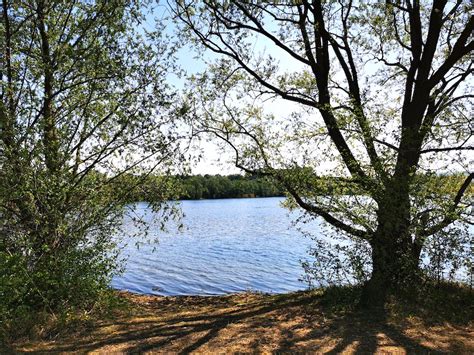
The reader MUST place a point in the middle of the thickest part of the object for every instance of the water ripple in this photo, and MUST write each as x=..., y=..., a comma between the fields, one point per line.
x=227, y=246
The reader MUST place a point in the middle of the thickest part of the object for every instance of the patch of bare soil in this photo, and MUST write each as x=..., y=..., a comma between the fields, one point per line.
x=298, y=322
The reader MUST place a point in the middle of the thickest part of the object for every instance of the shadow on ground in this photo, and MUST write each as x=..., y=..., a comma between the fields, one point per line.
x=305, y=322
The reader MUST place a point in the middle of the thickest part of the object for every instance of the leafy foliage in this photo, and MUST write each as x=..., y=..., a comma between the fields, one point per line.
x=83, y=101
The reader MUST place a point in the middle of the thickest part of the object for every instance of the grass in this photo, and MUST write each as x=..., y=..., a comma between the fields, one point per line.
x=326, y=321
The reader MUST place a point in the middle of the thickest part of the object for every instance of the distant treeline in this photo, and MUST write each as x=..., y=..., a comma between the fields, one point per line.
x=196, y=187
x=217, y=186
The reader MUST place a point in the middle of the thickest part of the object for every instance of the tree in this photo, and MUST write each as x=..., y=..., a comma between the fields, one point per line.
x=83, y=101
x=380, y=88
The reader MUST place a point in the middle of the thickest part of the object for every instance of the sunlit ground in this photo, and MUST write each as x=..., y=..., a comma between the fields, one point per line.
x=303, y=321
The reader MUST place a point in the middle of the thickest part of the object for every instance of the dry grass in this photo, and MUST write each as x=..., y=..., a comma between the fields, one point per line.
x=311, y=322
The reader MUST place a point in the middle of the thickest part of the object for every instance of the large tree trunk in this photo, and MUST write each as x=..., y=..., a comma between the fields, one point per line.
x=394, y=269
x=395, y=257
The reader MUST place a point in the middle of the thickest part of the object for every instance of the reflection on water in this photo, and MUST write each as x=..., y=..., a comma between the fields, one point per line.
x=227, y=246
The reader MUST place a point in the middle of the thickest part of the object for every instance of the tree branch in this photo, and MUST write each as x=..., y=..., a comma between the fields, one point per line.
x=451, y=216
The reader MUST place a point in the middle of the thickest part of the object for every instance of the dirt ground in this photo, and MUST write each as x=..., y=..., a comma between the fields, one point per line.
x=298, y=322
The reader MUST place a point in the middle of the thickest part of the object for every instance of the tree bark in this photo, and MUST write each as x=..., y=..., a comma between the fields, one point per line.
x=394, y=269
x=395, y=256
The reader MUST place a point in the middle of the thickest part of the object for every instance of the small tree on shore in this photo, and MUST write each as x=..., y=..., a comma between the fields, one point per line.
x=382, y=99
x=83, y=100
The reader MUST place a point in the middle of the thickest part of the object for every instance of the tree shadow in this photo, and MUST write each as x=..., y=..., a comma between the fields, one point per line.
x=173, y=329
x=283, y=323
x=364, y=334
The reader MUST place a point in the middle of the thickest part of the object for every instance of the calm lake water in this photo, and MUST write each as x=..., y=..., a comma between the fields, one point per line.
x=227, y=246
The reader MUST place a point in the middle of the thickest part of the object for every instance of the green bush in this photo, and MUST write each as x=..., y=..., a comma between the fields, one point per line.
x=79, y=279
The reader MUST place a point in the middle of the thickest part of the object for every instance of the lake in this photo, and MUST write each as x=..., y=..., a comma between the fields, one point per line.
x=226, y=246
